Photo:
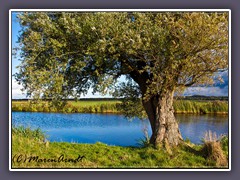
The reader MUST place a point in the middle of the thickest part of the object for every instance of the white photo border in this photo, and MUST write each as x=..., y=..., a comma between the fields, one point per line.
x=116, y=10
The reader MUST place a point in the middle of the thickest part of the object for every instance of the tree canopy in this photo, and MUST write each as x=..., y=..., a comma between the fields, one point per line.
x=66, y=53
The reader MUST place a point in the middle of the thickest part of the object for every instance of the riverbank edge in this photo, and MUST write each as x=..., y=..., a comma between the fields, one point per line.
x=180, y=107
x=31, y=145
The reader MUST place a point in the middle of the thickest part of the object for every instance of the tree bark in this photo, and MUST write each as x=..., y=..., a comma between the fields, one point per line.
x=163, y=123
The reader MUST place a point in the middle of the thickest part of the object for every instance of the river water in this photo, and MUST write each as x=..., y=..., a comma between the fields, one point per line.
x=113, y=129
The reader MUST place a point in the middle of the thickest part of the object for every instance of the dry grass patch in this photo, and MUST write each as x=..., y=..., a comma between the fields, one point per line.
x=212, y=149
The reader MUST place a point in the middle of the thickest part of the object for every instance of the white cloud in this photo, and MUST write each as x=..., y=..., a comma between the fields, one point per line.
x=18, y=94
x=206, y=91
x=16, y=91
x=96, y=95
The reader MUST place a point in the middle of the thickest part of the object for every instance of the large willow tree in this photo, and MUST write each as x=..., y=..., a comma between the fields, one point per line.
x=64, y=54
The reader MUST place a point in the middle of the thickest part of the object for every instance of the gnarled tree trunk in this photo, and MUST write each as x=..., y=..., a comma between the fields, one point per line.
x=163, y=123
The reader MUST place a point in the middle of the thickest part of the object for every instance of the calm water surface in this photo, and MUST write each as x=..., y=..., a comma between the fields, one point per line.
x=112, y=129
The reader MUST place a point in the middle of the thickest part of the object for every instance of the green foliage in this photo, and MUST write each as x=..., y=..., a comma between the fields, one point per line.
x=64, y=54
x=100, y=155
x=21, y=131
x=187, y=140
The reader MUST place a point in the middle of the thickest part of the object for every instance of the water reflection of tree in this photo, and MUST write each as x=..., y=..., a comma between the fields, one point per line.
x=215, y=120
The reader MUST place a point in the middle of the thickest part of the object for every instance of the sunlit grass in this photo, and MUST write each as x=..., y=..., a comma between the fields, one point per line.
x=201, y=107
x=71, y=107
x=99, y=155
x=111, y=106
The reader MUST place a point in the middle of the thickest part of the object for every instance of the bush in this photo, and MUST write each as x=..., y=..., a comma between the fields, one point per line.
x=212, y=149
x=28, y=133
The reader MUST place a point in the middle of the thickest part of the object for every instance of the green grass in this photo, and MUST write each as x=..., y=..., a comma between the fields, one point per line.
x=201, y=107
x=30, y=143
x=36, y=134
x=71, y=107
x=103, y=106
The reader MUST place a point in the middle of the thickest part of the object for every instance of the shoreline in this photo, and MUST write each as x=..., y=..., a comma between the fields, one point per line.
x=200, y=107
x=119, y=113
x=43, y=154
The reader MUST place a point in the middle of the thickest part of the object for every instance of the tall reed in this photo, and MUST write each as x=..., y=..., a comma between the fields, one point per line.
x=180, y=106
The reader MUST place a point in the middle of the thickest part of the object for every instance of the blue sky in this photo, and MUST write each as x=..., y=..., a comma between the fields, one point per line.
x=219, y=89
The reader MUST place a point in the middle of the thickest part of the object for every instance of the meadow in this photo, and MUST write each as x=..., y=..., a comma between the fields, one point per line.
x=113, y=106
x=31, y=150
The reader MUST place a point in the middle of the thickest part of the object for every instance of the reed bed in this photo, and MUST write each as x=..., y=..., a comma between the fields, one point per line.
x=180, y=106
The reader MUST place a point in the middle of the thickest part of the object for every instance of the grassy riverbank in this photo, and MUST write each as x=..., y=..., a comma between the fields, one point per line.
x=201, y=107
x=111, y=106
x=30, y=144
x=71, y=107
